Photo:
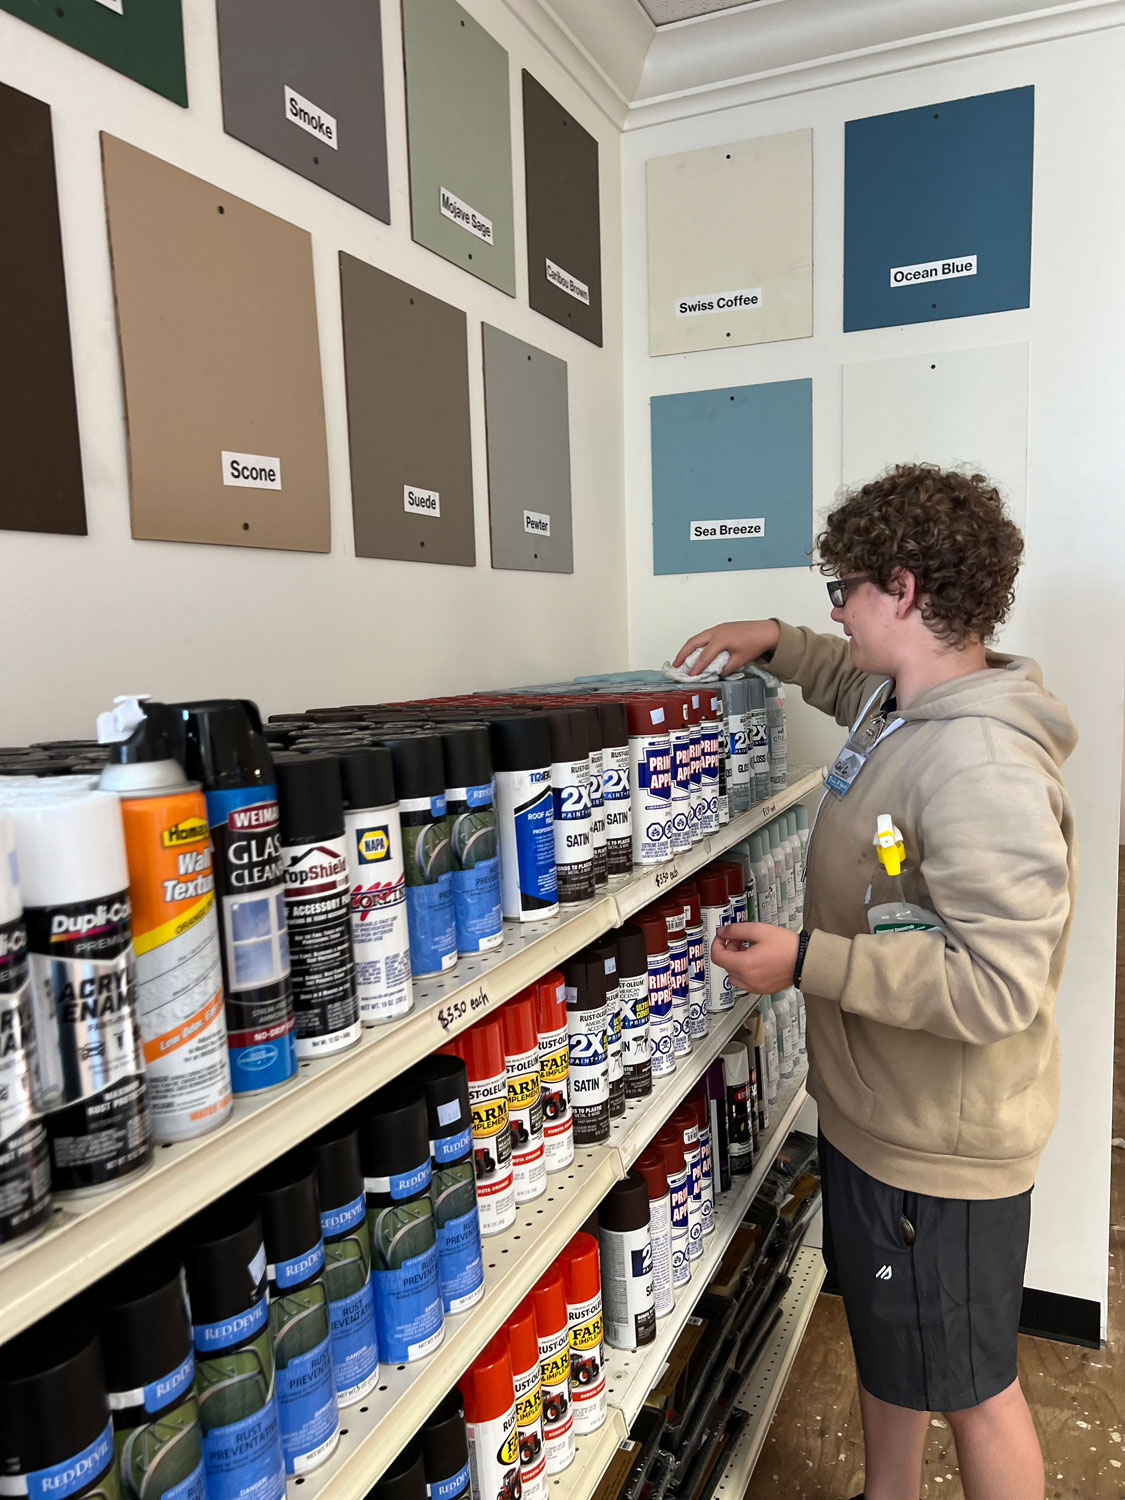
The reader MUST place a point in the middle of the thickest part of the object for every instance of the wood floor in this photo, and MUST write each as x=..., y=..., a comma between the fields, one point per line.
x=815, y=1452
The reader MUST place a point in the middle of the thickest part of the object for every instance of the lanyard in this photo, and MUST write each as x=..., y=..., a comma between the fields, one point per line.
x=854, y=756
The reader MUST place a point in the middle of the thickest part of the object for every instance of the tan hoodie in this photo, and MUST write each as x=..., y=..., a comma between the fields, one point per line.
x=934, y=1057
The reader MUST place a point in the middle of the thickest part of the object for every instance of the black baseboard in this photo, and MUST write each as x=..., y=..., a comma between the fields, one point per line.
x=1049, y=1315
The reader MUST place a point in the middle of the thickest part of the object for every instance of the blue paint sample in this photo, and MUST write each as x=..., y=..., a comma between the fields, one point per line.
x=939, y=185
x=734, y=455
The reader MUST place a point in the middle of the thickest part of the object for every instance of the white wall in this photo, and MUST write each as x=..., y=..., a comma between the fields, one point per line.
x=83, y=618
x=1071, y=609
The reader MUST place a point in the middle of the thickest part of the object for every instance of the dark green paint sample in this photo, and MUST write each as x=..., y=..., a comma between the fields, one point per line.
x=144, y=39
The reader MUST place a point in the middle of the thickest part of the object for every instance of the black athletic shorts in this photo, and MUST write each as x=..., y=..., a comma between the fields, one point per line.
x=932, y=1286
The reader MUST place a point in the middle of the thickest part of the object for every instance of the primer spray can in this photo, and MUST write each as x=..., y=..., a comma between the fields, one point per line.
x=684, y=1120
x=554, y=1071
x=474, y=844
x=709, y=747
x=698, y=1101
x=679, y=738
x=697, y=962
x=660, y=1022
x=521, y=756
x=650, y=1166
x=523, y=1344
x=616, y=787
x=587, y=1022
x=671, y=908
x=490, y=1421
x=718, y=708
x=582, y=1277
x=573, y=816
x=650, y=774
x=347, y=1262
x=625, y=1247
x=420, y=778
x=548, y=1297
x=460, y=1258
x=695, y=718
x=377, y=878
x=670, y=1143
x=525, y=1104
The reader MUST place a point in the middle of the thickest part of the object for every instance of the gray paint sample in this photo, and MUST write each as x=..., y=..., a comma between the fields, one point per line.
x=329, y=54
x=527, y=420
x=459, y=133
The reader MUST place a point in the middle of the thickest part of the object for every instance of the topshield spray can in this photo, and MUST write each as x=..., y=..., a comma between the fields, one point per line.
x=475, y=852
x=347, y=1262
x=420, y=780
x=521, y=755
x=445, y=1083
x=679, y=738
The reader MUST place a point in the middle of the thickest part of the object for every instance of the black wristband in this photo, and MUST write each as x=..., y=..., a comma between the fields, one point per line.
x=802, y=948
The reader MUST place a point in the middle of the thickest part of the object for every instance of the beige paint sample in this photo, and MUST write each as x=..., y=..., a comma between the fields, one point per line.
x=216, y=317
x=725, y=224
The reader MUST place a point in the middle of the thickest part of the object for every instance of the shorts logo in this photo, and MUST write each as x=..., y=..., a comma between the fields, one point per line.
x=883, y=1274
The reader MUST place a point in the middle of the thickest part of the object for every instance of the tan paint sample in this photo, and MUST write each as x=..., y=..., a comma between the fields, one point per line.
x=216, y=317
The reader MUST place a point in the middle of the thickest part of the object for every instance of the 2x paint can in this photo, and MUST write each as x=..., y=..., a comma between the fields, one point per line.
x=606, y=949
x=616, y=784
x=347, y=1262
x=521, y=757
x=445, y=1083
x=587, y=1018
x=650, y=1166
x=625, y=1249
x=573, y=815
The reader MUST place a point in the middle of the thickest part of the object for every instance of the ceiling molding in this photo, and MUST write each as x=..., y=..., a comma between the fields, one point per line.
x=601, y=47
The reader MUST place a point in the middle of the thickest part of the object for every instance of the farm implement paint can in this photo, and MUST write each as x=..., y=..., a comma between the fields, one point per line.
x=525, y=1103
x=523, y=1345
x=650, y=780
x=684, y=1120
x=548, y=1299
x=521, y=756
x=616, y=783
x=606, y=949
x=300, y=1319
x=220, y=744
x=570, y=790
x=490, y=1421
x=625, y=1250
x=445, y=1083
x=394, y=1148
x=554, y=1070
x=632, y=982
x=347, y=1262
x=235, y=1382
x=482, y=1050
x=582, y=1278
x=88, y=1073
x=150, y=1374
x=661, y=1027
x=474, y=843
x=650, y=1166
x=587, y=1020
x=670, y=1143
x=420, y=780
x=445, y=1450
x=377, y=877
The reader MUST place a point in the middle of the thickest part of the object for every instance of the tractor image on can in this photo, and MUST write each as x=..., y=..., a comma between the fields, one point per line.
x=484, y=1161
x=511, y=1487
x=520, y=1134
x=554, y=1104
x=530, y=1446
x=583, y=1371
x=555, y=1407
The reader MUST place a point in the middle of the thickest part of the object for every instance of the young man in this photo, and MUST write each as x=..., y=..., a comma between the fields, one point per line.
x=933, y=1054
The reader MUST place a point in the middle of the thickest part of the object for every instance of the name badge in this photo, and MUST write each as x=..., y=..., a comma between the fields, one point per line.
x=848, y=764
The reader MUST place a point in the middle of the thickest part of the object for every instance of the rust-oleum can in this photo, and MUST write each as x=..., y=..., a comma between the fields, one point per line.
x=632, y=982
x=525, y=1104
x=548, y=1298
x=490, y=1420
x=625, y=1247
x=482, y=1050
x=523, y=1342
x=521, y=756
x=588, y=1024
x=582, y=1277
x=606, y=949
x=554, y=1071
x=570, y=790
x=616, y=787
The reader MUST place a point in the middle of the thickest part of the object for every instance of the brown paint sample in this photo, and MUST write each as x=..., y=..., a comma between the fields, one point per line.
x=406, y=357
x=217, y=320
x=41, y=487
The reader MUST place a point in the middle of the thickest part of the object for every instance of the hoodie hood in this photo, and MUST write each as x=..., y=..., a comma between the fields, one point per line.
x=1010, y=691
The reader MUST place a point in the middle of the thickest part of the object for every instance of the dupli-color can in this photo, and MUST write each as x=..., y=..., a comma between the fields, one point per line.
x=625, y=1246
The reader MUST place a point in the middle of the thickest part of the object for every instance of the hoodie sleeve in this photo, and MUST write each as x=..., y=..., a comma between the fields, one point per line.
x=996, y=869
x=822, y=669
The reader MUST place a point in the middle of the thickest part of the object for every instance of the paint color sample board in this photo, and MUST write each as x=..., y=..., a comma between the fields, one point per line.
x=217, y=323
x=937, y=211
x=730, y=244
x=303, y=84
x=732, y=478
x=564, y=251
x=459, y=133
x=41, y=488
x=966, y=408
x=527, y=418
x=406, y=358
x=144, y=39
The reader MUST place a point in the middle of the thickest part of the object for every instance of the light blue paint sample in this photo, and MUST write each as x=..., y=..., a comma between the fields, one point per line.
x=738, y=455
x=935, y=186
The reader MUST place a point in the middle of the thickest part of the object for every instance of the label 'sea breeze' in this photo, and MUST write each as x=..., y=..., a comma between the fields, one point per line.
x=719, y=302
x=251, y=471
x=934, y=270
x=453, y=208
x=725, y=531
x=418, y=502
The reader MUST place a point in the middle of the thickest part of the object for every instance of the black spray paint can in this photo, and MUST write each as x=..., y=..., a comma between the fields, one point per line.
x=606, y=949
x=445, y=1083
x=616, y=787
x=587, y=1021
x=625, y=1246
x=570, y=790
x=632, y=984
x=347, y=1262
x=405, y=1479
x=445, y=1450
x=420, y=781
x=521, y=757
x=597, y=794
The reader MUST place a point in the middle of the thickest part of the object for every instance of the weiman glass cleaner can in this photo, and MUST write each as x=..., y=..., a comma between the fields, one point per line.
x=660, y=1022
x=548, y=1298
x=670, y=1142
x=625, y=1249
x=650, y=1165
x=554, y=1071
x=482, y=1050
x=632, y=982
x=650, y=779
x=394, y=1148
x=490, y=1421
x=445, y=1083
x=582, y=1278
x=616, y=787
x=56, y=1438
x=606, y=949
x=235, y=1381
x=445, y=1450
x=474, y=844
x=88, y=1072
x=587, y=1022
x=150, y=1375
x=220, y=744
x=525, y=1104
x=523, y=1345
x=570, y=790
x=377, y=876
x=420, y=780
x=521, y=757
x=347, y=1262
x=300, y=1319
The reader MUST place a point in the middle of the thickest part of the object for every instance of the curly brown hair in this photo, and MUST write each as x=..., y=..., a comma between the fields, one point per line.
x=950, y=530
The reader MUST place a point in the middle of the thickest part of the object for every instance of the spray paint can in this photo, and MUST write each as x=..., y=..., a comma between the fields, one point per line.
x=219, y=743
x=521, y=757
x=460, y=1258
x=679, y=739
x=720, y=1138
x=490, y=1422
x=175, y=932
x=587, y=1022
x=759, y=741
x=235, y=1383
x=660, y=1023
x=671, y=908
x=394, y=1148
x=650, y=1166
x=670, y=1143
x=56, y=1438
x=695, y=719
x=606, y=949
x=88, y=1074
x=684, y=1119
x=445, y=1450
x=347, y=1262
x=632, y=982
x=474, y=845
x=419, y=772
x=525, y=1104
x=616, y=779
x=548, y=1298
x=523, y=1345
x=736, y=703
x=736, y=887
x=625, y=1248
x=377, y=879
x=779, y=749
x=482, y=1050
x=697, y=961
x=317, y=903
x=714, y=899
x=25, y=1163
x=583, y=1282
x=404, y=1479
x=736, y=1073
x=709, y=748
x=698, y=1101
x=150, y=1370
x=718, y=710
x=597, y=794
x=650, y=779
x=570, y=789
x=554, y=1071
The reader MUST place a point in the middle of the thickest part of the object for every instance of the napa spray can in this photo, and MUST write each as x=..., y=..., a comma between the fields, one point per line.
x=219, y=743
x=736, y=704
x=523, y=1345
x=660, y=1022
x=670, y=1143
x=317, y=903
x=445, y=1450
x=671, y=908
x=554, y=1071
x=482, y=1050
x=650, y=779
x=475, y=850
x=525, y=1103
x=695, y=719
x=736, y=1073
x=25, y=1162
x=588, y=1022
x=684, y=1119
x=697, y=961
x=445, y=1083
x=632, y=981
x=150, y=1373
x=679, y=738
x=235, y=1380
x=709, y=749
x=394, y=1147
x=720, y=1135
x=759, y=741
x=88, y=1071
x=548, y=1298
x=419, y=772
x=490, y=1421
x=616, y=779
x=573, y=817
x=521, y=757
x=606, y=949
x=650, y=1166
x=347, y=1262
x=698, y=1101
x=582, y=1278
x=625, y=1247
x=597, y=793
x=715, y=909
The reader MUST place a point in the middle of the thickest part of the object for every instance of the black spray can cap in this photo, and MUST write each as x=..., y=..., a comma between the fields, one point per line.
x=614, y=719
x=625, y=1207
x=520, y=742
x=632, y=954
x=146, y=1326
x=52, y=1393
x=468, y=755
x=367, y=777
x=445, y=1082
x=309, y=798
x=219, y=741
x=405, y=1479
x=224, y=1259
x=586, y=976
x=606, y=949
x=418, y=765
x=339, y=1176
x=445, y=1444
x=570, y=738
x=394, y=1133
x=589, y=711
x=290, y=1206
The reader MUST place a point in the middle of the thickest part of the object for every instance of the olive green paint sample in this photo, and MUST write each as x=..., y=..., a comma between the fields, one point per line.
x=407, y=365
x=216, y=317
x=41, y=484
x=564, y=252
x=144, y=39
x=459, y=136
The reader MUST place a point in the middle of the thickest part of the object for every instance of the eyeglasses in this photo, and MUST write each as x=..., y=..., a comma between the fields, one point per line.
x=838, y=588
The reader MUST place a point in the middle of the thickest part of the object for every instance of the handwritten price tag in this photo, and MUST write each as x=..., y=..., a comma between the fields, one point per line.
x=666, y=877
x=456, y=1010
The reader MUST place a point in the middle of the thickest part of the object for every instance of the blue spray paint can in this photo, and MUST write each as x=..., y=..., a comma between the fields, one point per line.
x=445, y=1083
x=420, y=781
x=347, y=1262
x=474, y=847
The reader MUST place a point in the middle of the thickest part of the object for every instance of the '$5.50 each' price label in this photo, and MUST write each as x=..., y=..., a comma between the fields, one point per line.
x=457, y=1010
